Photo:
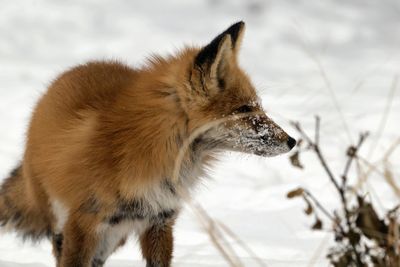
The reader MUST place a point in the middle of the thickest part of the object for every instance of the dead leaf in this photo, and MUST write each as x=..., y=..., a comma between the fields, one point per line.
x=295, y=193
x=309, y=209
x=317, y=225
x=369, y=222
x=294, y=159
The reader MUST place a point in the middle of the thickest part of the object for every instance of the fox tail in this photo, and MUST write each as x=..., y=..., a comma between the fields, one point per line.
x=18, y=212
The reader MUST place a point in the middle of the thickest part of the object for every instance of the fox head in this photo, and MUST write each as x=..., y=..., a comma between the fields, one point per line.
x=220, y=97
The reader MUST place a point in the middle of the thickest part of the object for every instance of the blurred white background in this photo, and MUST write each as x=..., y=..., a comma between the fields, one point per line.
x=338, y=59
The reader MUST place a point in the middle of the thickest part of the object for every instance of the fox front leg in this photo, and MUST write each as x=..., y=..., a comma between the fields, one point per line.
x=79, y=244
x=157, y=245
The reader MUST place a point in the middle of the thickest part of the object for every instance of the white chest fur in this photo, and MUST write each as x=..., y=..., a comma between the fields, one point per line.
x=154, y=206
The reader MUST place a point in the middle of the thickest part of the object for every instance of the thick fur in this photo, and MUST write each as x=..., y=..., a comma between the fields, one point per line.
x=103, y=142
x=21, y=210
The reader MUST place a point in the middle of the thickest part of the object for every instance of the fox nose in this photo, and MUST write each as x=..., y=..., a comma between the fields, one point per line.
x=291, y=142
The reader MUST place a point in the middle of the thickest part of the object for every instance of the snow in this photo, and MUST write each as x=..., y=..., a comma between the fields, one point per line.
x=301, y=55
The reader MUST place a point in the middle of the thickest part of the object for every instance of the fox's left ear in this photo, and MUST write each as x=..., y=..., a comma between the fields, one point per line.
x=213, y=61
x=236, y=31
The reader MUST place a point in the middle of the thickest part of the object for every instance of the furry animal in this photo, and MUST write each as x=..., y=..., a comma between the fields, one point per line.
x=112, y=150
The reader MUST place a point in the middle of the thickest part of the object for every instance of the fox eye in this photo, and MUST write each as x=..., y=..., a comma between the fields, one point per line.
x=244, y=109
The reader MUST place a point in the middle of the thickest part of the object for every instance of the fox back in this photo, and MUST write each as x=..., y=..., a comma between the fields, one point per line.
x=113, y=149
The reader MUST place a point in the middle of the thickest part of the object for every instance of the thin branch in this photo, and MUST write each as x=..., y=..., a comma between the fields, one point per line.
x=216, y=237
x=317, y=150
x=385, y=116
x=373, y=166
x=317, y=129
x=314, y=57
x=242, y=244
x=352, y=154
x=319, y=205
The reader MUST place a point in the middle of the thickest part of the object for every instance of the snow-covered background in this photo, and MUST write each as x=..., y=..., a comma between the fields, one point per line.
x=338, y=59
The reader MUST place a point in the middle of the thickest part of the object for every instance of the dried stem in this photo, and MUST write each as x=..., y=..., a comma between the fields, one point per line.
x=242, y=244
x=216, y=237
x=314, y=57
x=319, y=205
x=351, y=155
x=385, y=115
x=315, y=146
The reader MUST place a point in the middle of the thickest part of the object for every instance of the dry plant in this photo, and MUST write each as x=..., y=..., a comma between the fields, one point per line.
x=220, y=234
x=362, y=237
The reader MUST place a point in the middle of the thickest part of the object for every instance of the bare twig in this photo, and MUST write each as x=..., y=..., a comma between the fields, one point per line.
x=314, y=57
x=351, y=155
x=385, y=116
x=317, y=129
x=317, y=150
x=374, y=166
x=216, y=237
x=319, y=205
x=318, y=251
x=242, y=244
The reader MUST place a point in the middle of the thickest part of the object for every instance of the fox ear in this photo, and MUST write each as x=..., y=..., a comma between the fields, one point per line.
x=213, y=60
x=236, y=31
x=209, y=52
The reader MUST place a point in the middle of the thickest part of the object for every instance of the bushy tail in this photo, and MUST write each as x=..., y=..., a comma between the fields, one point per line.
x=18, y=212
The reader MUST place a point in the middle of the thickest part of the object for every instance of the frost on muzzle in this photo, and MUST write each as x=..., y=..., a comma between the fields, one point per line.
x=256, y=134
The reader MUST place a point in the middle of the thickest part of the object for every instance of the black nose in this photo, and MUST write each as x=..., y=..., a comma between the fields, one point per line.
x=291, y=142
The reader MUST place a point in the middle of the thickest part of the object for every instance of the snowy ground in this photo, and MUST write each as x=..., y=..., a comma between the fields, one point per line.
x=299, y=53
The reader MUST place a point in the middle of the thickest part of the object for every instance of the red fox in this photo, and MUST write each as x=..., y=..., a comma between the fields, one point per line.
x=103, y=143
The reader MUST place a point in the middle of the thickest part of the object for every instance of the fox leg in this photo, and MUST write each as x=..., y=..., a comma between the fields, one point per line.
x=57, y=241
x=79, y=243
x=157, y=245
